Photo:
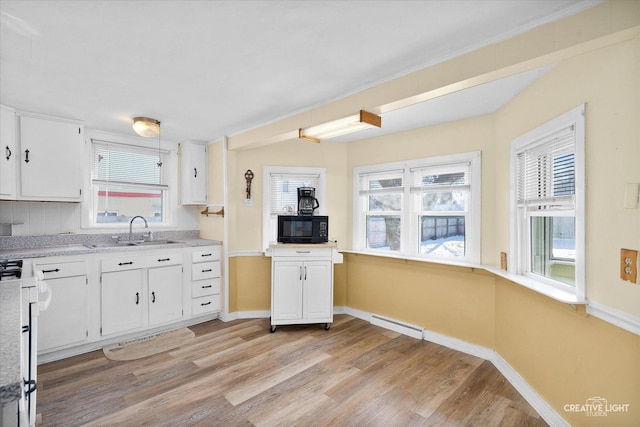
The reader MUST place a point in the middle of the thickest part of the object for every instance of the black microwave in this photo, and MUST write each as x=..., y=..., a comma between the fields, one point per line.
x=303, y=229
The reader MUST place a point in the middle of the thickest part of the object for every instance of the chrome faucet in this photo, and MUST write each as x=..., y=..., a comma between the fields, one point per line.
x=131, y=225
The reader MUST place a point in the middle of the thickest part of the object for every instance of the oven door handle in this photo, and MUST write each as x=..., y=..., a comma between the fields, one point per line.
x=32, y=386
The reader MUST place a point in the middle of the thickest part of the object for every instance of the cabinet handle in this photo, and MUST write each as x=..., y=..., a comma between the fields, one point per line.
x=26, y=159
x=153, y=297
x=305, y=272
x=206, y=286
x=8, y=152
x=164, y=259
x=300, y=272
x=125, y=263
x=206, y=271
x=303, y=252
x=195, y=172
x=137, y=298
x=206, y=303
x=203, y=255
x=50, y=271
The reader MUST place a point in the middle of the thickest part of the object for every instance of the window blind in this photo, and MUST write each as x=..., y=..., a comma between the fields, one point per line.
x=441, y=178
x=546, y=170
x=119, y=164
x=381, y=182
x=283, y=191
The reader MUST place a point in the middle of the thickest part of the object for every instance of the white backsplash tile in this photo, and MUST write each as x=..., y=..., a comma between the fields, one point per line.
x=6, y=212
x=20, y=215
x=69, y=218
x=51, y=218
x=36, y=218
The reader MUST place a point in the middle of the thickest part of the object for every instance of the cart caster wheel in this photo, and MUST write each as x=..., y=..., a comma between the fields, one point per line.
x=272, y=329
x=327, y=327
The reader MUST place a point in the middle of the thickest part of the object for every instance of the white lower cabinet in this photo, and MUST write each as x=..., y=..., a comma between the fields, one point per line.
x=165, y=294
x=65, y=321
x=301, y=287
x=142, y=291
x=205, y=280
x=121, y=298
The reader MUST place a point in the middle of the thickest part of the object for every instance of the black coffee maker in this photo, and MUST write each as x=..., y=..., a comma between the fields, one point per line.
x=307, y=202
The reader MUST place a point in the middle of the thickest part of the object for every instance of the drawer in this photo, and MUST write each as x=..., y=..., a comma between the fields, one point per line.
x=203, y=305
x=205, y=287
x=210, y=253
x=63, y=269
x=302, y=252
x=122, y=263
x=164, y=260
x=205, y=270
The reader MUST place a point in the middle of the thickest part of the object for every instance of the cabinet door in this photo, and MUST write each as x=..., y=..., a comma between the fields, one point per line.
x=50, y=159
x=64, y=322
x=193, y=186
x=318, y=289
x=165, y=294
x=8, y=153
x=121, y=301
x=286, y=294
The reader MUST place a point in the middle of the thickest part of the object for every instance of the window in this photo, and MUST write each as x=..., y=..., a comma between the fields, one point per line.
x=547, y=203
x=128, y=181
x=426, y=208
x=280, y=189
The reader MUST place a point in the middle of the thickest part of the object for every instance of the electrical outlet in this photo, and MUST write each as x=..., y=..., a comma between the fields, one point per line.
x=629, y=265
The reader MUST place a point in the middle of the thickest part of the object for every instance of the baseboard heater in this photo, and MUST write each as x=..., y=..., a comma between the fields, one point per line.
x=397, y=326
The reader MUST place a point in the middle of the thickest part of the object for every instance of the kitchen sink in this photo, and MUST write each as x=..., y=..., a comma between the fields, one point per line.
x=127, y=244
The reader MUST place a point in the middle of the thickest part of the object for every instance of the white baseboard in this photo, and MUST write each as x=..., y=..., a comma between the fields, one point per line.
x=258, y=314
x=616, y=317
x=530, y=395
x=459, y=345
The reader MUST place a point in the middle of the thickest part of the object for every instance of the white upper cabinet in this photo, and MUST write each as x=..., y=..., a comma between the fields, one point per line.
x=9, y=153
x=193, y=173
x=50, y=159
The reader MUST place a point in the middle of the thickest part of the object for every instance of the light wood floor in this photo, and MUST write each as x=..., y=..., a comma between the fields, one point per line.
x=239, y=374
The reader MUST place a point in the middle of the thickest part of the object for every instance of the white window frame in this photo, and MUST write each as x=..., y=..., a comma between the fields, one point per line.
x=410, y=227
x=520, y=231
x=267, y=171
x=170, y=163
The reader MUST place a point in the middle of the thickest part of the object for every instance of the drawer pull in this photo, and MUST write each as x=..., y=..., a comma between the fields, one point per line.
x=206, y=286
x=206, y=271
x=203, y=255
x=303, y=252
x=206, y=303
x=126, y=263
x=51, y=271
x=164, y=259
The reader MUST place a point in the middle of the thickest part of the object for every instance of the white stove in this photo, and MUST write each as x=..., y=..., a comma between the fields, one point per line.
x=35, y=296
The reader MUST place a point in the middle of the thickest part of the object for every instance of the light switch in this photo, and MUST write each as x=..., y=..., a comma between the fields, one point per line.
x=631, y=194
x=629, y=265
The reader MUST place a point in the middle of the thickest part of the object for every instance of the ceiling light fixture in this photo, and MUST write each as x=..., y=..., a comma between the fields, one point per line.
x=357, y=122
x=144, y=126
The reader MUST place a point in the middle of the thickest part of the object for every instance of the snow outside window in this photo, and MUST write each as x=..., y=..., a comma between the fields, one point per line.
x=428, y=208
x=547, y=226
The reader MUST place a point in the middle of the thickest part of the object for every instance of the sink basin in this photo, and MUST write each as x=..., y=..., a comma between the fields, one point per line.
x=128, y=244
x=156, y=242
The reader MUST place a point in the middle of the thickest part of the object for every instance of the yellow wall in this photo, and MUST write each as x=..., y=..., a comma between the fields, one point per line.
x=564, y=354
x=246, y=231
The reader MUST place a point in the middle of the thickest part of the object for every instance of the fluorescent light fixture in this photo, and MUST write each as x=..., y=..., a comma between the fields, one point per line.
x=361, y=121
x=146, y=127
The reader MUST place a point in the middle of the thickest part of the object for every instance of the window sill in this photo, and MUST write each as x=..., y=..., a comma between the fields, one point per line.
x=541, y=288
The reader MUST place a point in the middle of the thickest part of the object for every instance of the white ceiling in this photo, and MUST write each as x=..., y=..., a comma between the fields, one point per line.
x=212, y=68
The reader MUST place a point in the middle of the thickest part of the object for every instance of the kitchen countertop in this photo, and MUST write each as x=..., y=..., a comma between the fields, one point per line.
x=46, y=246
x=10, y=380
